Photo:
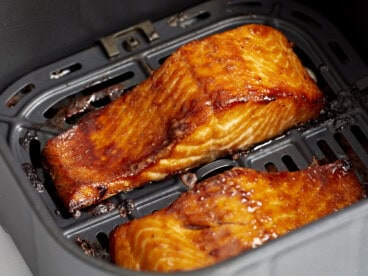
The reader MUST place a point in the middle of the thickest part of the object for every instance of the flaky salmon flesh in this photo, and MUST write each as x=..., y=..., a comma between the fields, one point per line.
x=230, y=213
x=210, y=98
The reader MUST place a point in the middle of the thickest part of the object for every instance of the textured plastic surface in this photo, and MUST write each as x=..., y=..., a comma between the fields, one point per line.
x=39, y=32
x=33, y=110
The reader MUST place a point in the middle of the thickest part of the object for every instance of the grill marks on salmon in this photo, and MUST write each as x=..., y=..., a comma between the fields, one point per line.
x=212, y=97
x=230, y=213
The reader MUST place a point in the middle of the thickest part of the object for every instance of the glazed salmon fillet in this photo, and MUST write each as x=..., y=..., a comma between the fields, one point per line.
x=212, y=97
x=230, y=213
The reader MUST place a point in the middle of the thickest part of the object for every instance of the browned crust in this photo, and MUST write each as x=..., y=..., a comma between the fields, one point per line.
x=232, y=212
x=125, y=144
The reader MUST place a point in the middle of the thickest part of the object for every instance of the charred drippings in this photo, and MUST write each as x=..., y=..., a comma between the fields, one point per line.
x=130, y=206
x=189, y=179
x=122, y=210
x=33, y=177
x=101, y=190
x=74, y=108
x=102, y=208
x=343, y=121
x=337, y=105
x=126, y=208
x=76, y=214
x=93, y=249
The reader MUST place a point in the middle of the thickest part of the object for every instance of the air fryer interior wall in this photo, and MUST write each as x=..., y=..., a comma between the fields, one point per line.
x=349, y=17
x=36, y=33
x=37, y=97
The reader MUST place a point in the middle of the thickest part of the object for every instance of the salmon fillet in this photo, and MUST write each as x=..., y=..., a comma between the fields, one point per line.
x=212, y=97
x=231, y=213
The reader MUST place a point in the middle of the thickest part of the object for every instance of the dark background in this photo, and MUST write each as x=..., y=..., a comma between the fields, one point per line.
x=349, y=16
x=36, y=33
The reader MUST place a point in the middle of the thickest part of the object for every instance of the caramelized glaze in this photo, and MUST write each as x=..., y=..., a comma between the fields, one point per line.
x=230, y=213
x=212, y=97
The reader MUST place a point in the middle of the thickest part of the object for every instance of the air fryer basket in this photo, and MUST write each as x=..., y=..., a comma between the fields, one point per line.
x=43, y=103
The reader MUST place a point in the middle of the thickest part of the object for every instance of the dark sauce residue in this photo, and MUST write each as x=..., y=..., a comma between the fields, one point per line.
x=92, y=249
x=75, y=107
x=122, y=210
x=33, y=177
x=76, y=214
x=189, y=179
x=102, y=208
x=126, y=208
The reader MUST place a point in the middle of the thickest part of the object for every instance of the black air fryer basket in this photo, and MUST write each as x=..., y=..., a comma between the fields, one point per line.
x=54, y=97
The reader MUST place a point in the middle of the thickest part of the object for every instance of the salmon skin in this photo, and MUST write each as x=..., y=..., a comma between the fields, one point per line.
x=230, y=213
x=211, y=98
